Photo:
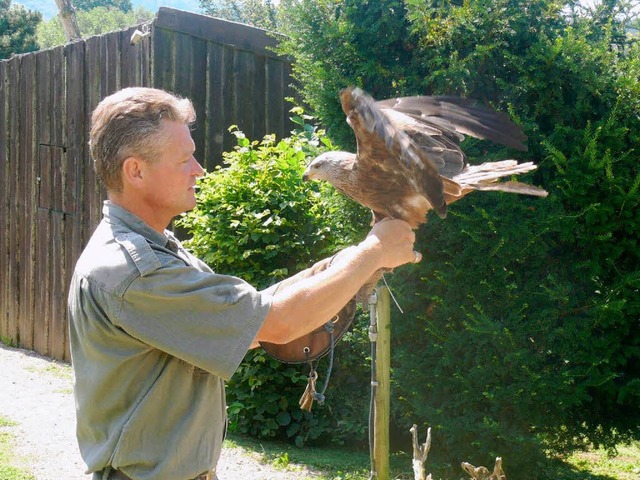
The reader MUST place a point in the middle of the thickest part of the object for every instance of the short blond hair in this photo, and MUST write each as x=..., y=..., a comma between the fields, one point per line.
x=127, y=124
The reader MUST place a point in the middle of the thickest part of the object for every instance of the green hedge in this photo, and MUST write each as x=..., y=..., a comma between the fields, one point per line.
x=521, y=331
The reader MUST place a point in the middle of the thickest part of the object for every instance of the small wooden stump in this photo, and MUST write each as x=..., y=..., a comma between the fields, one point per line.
x=482, y=473
x=420, y=453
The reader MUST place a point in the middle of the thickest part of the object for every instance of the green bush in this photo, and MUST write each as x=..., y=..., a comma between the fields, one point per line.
x=256, y=219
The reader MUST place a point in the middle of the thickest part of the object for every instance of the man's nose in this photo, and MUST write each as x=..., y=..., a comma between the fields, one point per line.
x=197, y=168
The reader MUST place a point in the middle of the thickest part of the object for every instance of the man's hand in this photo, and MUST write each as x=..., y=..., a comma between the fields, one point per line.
x=392, y=241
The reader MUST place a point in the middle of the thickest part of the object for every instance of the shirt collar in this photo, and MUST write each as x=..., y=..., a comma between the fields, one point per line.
x=118, y=215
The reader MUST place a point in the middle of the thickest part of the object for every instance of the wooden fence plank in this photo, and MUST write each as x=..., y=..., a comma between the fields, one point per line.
x=76, y=125
x=13, y=101
x=145, y=61
x=216, y=126
x=110, y=45
x=258, y=98
x=42, y=286
x=58, y=95
x=182, y=63
x=190, y=63
x=244, y=68
x=43, y=183
x=76, y=160
x=4, y=204
x=43, y=99
x=163, y=57
x=57, y=322
x=198, y=91
x=27, y=199
x=57, y=325
x=15, y=214
x=25, y=203
x=214, y=115
x=133, y=60
x=94, y=93
x=228, y=96
x=275, y=115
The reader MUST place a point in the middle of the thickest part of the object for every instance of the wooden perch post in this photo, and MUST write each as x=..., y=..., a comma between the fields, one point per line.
x=382, y=384
x=420, y=454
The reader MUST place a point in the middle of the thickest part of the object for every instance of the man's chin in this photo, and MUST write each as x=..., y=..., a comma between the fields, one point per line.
x=191, y=205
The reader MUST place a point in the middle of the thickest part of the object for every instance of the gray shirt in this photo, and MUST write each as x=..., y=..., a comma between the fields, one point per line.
x=154, y=334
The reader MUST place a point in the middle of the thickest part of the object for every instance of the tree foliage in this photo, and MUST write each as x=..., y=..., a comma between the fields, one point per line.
x=124, y=5
x=258, y=13
x=337, y=43
x=17, y=29
x=524, y=311
x=96, y=21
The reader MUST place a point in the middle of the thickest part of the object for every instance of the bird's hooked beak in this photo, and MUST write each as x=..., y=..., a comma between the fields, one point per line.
x=307, y=175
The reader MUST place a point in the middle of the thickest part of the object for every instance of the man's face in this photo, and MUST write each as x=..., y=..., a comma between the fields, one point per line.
x=170, y=177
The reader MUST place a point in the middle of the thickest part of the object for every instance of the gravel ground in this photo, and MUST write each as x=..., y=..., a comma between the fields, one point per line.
x=36, y=393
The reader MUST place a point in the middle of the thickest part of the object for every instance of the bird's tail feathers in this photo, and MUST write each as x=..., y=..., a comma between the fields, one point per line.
x=451, y=187
x=483, y=177
x=492, y=171
x=512, y=187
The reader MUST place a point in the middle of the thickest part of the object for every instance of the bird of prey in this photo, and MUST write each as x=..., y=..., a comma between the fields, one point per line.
x=409, y=160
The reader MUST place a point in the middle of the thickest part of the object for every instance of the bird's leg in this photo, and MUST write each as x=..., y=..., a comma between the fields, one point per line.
x=377, y=217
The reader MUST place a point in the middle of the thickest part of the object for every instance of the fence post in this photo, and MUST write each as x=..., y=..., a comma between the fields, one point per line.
x=383, y=387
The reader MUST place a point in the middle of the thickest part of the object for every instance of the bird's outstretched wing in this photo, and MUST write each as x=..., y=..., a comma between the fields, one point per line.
x=418, y=139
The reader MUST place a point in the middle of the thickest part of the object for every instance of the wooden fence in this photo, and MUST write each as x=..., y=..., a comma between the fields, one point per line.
x=50, y=199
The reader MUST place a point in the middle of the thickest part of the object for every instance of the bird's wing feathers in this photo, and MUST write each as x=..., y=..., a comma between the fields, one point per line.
x=442, y=150
x=453, y=114
x=384, y=146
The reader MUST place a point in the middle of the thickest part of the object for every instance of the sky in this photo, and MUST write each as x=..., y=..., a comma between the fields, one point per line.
x=49, y=9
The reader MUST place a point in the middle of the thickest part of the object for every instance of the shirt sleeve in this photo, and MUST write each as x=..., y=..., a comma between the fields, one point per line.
x=207, y=320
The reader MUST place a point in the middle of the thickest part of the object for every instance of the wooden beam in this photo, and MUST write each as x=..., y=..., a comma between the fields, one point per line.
x=217, y=30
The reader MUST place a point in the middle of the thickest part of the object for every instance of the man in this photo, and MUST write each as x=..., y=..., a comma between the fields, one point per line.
x=154, y=332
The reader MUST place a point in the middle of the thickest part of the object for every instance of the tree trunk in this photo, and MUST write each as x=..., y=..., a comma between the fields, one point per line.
x=68, y=19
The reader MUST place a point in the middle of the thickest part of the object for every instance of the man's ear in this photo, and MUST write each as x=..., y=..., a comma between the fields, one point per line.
x=132, y=170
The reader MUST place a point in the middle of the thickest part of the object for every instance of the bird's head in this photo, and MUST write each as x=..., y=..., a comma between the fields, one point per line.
x=330, y=167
